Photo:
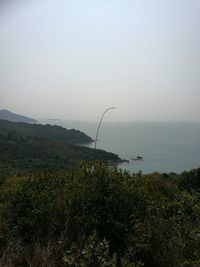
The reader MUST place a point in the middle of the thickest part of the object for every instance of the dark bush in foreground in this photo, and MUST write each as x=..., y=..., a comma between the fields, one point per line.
x=99, y=216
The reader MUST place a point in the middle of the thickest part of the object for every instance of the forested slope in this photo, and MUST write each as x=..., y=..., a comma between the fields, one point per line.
x=54, y=132
x=21, y=155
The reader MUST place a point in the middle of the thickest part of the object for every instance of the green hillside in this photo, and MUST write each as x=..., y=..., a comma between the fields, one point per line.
x=54, y=132
x=26, y=148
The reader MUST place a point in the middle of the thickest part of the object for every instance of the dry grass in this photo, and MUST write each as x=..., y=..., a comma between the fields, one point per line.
x=34, y=255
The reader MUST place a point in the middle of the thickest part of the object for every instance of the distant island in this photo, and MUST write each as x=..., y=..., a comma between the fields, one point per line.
x=10, y=116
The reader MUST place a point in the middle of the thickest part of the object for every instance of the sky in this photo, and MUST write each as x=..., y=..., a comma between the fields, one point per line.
x=71, y=59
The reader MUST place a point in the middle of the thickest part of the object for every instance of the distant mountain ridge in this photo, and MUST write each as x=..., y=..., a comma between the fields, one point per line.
x=10, y=116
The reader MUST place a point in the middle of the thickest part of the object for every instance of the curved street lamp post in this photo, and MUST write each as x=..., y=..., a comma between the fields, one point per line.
x=95, y=147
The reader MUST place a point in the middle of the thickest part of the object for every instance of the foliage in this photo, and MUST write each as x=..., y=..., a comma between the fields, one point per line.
x=94, y=253
x=21, y=155
x=99, y=216
x=56, y=133
x=190, y=180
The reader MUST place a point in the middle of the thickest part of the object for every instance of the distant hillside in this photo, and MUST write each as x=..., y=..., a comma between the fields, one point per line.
x=26, y=148
x=56, y=133
x=21, y=155
x=10, y=116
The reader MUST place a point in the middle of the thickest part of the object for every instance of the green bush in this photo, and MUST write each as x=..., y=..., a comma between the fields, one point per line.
x=40, y=206
x=95, y=253
x=100, y=216
x=106, y=200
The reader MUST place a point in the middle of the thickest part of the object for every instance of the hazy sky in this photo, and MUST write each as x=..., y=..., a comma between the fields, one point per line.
x=71, y=59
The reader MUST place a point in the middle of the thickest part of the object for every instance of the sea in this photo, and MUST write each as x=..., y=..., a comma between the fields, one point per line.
x=164, y=146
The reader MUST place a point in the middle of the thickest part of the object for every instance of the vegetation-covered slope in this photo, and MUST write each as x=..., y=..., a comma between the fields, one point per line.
x=100, y=217
x=19, y=155
x=55, y=132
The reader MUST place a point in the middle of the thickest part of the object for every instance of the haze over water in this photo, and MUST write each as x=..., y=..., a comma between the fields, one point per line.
x=165, y=146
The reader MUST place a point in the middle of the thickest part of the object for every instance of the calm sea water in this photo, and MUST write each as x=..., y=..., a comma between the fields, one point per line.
x=165, y=146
